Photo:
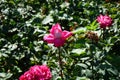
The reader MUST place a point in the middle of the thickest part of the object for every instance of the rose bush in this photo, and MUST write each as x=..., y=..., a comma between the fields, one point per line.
x=91, y=53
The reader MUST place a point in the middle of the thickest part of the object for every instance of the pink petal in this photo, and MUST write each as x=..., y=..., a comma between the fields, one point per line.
x=55, y=28
x=59, y=42
x=66, y=34
x=100, y=18
x=22, y=77
x=49, y=38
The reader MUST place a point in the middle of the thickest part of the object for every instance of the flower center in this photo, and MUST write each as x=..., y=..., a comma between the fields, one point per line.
x=58, y=35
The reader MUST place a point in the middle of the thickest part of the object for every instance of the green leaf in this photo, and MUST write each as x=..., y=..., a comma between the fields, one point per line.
x=82, y=65
x=78, y=51
x=4, y=76
x=82, y=78
x=47, y=19
x=79, y=30
x=92, y=26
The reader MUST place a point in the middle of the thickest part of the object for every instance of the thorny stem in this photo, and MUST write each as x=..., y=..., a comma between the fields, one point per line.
x=92, y=63
x=92, y=66
x=60, y=64
x=104, y=32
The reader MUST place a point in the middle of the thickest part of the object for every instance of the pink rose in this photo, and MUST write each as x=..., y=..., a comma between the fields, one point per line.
x=41, y=72
x=37, y=72
x=27, y=76
x=104, y=21
x=57, y=36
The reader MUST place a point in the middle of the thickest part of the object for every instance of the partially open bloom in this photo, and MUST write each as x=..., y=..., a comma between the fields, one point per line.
x=57, y=36
x=104, y=21
x=37, y=72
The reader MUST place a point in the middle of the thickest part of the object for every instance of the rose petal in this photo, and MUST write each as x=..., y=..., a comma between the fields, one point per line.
x=59, y=42
x=27, y=76
x=45, y=72
x=55, y=28
x=49, y=38
x=66, y=34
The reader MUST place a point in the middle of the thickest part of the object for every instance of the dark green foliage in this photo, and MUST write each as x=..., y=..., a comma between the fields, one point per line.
x=23, y=23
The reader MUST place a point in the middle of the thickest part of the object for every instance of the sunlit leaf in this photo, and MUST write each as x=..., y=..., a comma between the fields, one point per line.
x=47, y=19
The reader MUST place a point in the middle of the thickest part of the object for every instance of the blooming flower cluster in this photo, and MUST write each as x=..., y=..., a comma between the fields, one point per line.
x=57, y=36
x=104, y=21
x=37, y=72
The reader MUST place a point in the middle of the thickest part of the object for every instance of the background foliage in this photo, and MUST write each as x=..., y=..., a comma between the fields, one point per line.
x=23, y=23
